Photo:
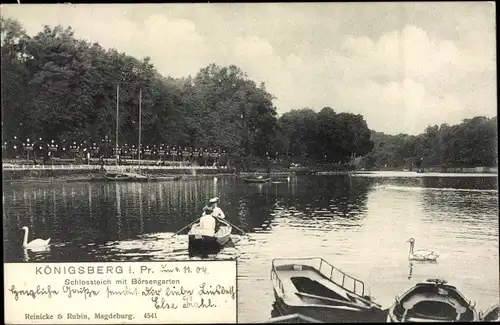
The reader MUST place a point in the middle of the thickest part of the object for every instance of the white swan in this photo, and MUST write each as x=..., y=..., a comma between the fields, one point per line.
x=215, y=178
x=288, y=178
x=420, y=255
x=35, y=243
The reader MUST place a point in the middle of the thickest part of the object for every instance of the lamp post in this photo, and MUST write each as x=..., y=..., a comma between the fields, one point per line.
x=29, y=147
x=74, y=150
x=17, y=146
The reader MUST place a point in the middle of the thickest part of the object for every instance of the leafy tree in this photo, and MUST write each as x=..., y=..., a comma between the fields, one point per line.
x=61, y=88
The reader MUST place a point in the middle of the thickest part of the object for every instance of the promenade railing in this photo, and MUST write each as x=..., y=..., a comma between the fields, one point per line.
x=97, y=167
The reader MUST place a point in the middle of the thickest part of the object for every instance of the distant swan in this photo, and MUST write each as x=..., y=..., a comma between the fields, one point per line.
x=215, y=178
x=36, y=243
x=288, y=178
x=420, y=255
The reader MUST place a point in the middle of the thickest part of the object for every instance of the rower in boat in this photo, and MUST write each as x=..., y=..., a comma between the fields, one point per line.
x=207, y=222
x=217, y=212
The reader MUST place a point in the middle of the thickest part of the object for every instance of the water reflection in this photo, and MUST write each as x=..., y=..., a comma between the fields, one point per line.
x=84, y=219
x=360, y=224
x=35, y=254
x=420, y=265
x=327, y=203
x=467, y=183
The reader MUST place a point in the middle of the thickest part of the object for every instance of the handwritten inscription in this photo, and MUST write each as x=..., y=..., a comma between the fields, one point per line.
x=84, y=291
x=33, y=293
x=123, y=292
x=153, y=292
x=217, y=290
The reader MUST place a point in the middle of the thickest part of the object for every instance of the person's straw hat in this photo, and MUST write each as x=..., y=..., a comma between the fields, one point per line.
x=213, y=200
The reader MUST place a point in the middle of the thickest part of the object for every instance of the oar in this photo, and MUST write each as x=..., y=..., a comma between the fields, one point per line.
x=192, y=223
x=226, y=221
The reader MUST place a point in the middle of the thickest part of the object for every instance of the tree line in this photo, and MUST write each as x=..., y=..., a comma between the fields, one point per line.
x=63, y=89
x=472, y=143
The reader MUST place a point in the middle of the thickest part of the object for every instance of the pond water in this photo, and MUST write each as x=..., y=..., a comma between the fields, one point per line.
x=360, y=224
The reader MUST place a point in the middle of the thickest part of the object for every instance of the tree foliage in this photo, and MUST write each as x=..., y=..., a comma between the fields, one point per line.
x=472, y=143
x=57, y=87
x=325, y=136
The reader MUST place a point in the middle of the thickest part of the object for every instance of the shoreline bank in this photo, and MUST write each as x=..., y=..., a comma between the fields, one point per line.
x=79, y=173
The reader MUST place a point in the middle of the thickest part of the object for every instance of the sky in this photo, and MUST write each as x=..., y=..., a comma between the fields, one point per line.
x=403, y=66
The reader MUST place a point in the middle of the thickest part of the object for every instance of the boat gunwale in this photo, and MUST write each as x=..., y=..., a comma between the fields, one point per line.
x=346, y=305
x=215, y=236
x=318, y=269
x=256, y=180
x=296, y=316
x=483, y=315
x=399, y=302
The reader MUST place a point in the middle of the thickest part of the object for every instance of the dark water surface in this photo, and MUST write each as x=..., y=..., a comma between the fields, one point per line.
x=360, y=224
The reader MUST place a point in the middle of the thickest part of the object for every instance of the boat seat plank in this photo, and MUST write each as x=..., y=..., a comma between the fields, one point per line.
x=335, y=302
x=425, y=320
x=410, y=303
x=289, y=287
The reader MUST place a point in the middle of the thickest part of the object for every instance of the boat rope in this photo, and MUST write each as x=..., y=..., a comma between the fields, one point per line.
x=403, y=319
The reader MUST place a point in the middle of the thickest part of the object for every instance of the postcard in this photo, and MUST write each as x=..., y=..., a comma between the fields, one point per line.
x=249, y=163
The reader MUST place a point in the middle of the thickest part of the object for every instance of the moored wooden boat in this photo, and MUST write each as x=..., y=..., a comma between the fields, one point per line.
x=118, y=177
x=97, y=178
x=280, y=179
x=136, y=177
x=164, y=178
x=492, y=314
x=432, y=301
x=292, y=319
x=199, y=242
x=257, y=179
x=314, y=288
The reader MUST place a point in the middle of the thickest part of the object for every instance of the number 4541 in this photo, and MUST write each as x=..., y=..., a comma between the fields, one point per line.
x=150, y=315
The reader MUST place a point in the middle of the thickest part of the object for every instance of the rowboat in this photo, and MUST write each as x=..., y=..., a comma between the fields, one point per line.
x=135, y=177
x=492, y=314
x=202, y=243
x=257, y=179
x=118, y=177
x=292, y=319
x=314, y=288
x=164, y=178
x=434, y=301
